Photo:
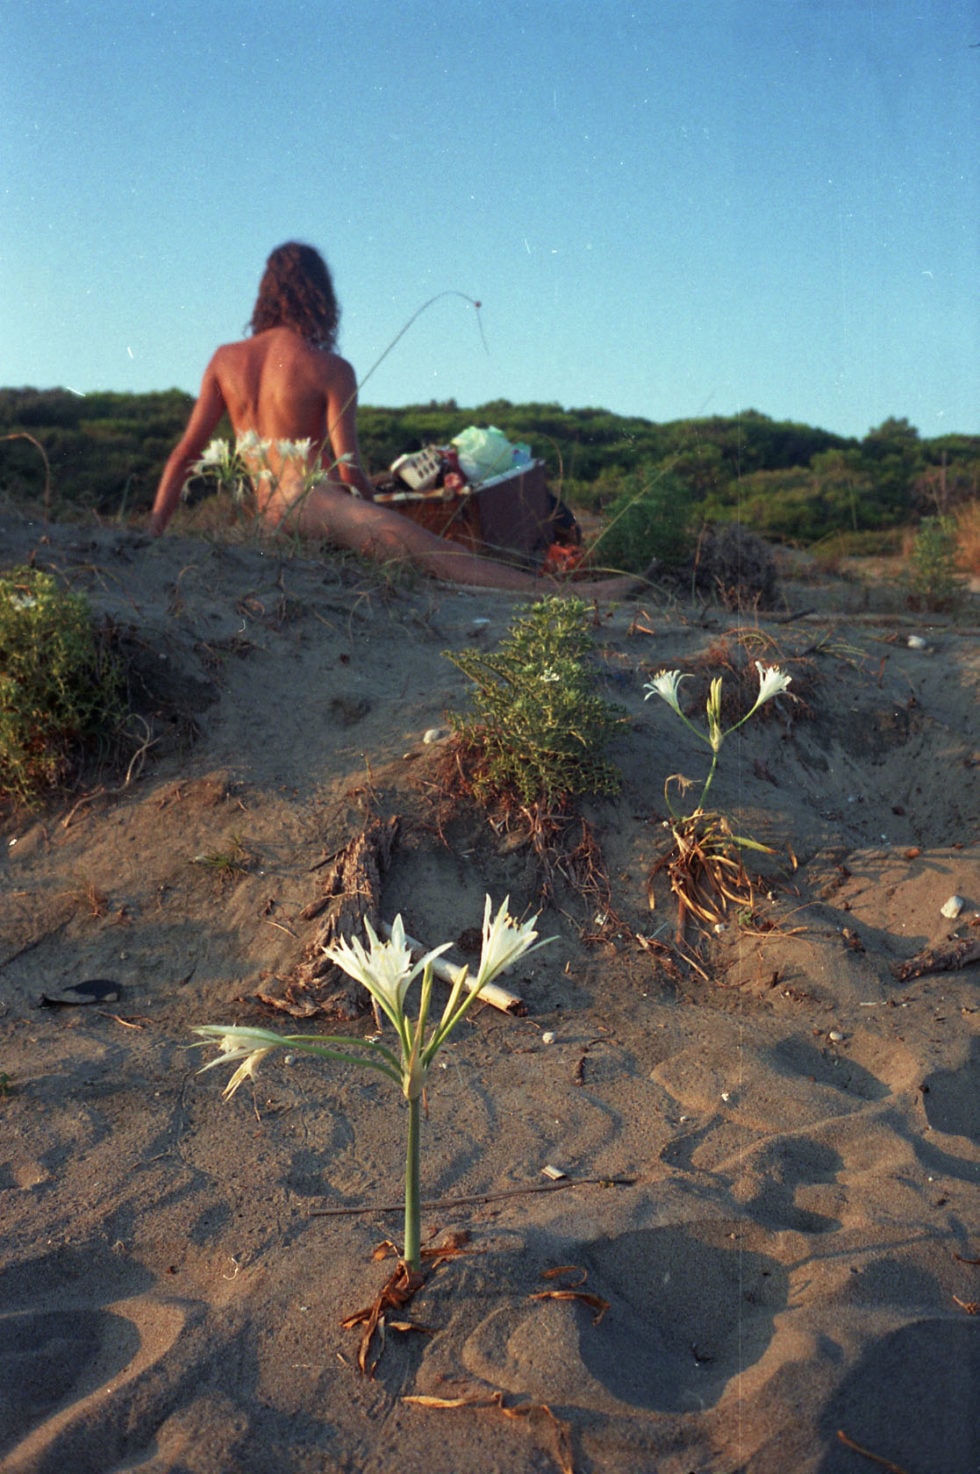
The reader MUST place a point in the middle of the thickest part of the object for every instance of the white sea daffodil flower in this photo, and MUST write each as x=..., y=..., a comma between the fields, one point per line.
x=772, y=682
x=217, y=453
x=504, y=941
x=248, y=1045
x=666, y=684
x=295, y=449
x=387, y=970
x=249, y=442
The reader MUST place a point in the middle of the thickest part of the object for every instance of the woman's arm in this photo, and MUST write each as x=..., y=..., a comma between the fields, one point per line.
x=342, y=430
x=204, y=419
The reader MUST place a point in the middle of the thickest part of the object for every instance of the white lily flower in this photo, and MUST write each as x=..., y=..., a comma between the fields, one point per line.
x=216, y=454
x=298, y=449
x=250, y=442
x=665, y=684
x=387, y=970
x=772, y=682
x=235, y=1042
x=248, y=1045
x=504, y=941
x=246, y=1071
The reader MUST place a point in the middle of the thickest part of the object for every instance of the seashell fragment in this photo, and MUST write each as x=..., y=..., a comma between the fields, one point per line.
x=952, y=908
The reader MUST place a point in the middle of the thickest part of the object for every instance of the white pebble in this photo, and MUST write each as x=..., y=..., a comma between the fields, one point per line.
x=952, y=908
x=547, y=1037
x=835, y=1036
x=435, y=734
x=916, y=642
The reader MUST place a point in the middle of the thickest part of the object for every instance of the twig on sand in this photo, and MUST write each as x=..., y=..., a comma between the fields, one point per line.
x=875, y=1458
x=493, y=1398
x=478, y=1198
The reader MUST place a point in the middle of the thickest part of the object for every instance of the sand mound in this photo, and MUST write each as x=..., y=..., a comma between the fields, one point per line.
x=772, y=1163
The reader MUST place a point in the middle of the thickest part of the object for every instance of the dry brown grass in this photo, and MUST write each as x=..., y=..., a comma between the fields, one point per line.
x=968, y=537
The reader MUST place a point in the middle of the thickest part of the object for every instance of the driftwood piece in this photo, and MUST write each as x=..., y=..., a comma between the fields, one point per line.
x=350, y=890
x=447, y=971
x=946, y=957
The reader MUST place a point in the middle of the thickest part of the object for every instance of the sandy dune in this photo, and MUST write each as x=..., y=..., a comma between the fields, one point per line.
x=773, y=1168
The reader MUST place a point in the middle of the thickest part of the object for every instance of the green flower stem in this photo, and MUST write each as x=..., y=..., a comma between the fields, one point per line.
x=451, y=1018
x=411, y=1253
x=707, y=781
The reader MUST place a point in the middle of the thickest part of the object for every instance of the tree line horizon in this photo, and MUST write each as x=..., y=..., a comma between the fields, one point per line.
x=787, y=481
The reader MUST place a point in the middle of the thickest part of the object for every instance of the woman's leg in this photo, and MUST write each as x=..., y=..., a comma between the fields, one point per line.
x=329, y=511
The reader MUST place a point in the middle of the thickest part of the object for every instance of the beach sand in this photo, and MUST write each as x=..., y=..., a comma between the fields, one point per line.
x=771, y=1146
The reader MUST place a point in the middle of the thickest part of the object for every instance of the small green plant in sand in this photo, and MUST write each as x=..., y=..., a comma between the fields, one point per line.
x=704, y=865
x=542, y=726
x=387, y=971
x=236, y=859
x=61, y=687
x=933, y=580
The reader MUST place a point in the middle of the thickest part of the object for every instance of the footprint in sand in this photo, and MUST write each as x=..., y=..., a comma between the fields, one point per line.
x=784, y=1180
x=49, y=1358
x=911, y=1401
x=952, y=1098
x=74, y=1331
x=691, y=1306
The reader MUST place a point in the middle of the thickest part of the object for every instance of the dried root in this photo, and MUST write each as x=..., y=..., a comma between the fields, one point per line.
x=705, y=871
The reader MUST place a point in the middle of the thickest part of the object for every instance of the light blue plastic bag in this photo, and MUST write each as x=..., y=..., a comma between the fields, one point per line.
x=487, y=453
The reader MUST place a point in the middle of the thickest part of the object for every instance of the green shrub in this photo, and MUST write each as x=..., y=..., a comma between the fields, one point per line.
x=933, y=581
x=650, y=518
x=542, y=727
x=60, y=686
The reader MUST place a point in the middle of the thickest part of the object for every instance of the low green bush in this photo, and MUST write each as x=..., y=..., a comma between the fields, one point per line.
x=61, y=686
x=542, y=727
x=649, y=519
x=933, y=582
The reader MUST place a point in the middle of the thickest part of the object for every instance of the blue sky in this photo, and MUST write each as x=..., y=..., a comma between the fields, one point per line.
x=670, y=208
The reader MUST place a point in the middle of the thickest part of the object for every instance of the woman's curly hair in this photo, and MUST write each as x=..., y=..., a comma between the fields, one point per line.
x=296, y=291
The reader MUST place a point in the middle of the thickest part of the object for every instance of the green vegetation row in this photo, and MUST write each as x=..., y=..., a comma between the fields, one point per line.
x=785, y=481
